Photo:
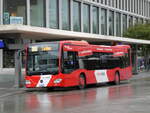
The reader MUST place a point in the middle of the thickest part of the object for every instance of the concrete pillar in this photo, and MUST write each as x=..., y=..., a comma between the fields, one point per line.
x=1, y=58
x=18, y=69
x=134, y=59
x=1, y=11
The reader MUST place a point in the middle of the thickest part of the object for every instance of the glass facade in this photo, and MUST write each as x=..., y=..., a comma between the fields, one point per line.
x=14, y=9
x=53, y=14
x=65, y=14
x=103, y=21
x=86, y=18
x=118, y=24
x=95, y=20
x=37, y=13
x=111, y=23
x=76, y=16
x=124, y=23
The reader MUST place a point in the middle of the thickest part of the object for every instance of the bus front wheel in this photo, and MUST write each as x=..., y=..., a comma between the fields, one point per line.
x=82, y=82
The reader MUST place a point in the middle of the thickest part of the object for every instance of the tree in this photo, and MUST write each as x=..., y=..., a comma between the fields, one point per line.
x=140, y=31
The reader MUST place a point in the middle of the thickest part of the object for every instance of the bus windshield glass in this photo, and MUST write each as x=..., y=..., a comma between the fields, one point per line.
x=42, y=59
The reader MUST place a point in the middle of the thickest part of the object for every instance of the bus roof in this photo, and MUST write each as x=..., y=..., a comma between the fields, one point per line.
x=75, y=42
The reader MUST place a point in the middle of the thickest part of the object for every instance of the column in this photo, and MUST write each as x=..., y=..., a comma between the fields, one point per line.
x=1, y=11
x=91, y=19
x=71, y=14
x=28, y=12
x=1, y=58
x=134, y=59
x=47, y=13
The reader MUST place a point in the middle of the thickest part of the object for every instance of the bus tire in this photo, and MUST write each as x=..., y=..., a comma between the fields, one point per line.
x=82, y=82
x=117, y=78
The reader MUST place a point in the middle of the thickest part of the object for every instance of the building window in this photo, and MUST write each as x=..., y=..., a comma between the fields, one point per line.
x=37, y=12
x=130, y=21
x=135, y=6
x=113, y=3
x=109, y=2
x=116, y=3
x=14, y=10
x=103, y=21
x=102, y=1
x=53, y=14
x=95, y=20
x=124, y=23
x=86, y=18
x=123, y=4
x=140, y=21
x=118, y=24
x=120, y=4
x=111, y=23
x=65, y=15
x=76, y=16
x=135, y=20
x=132, y=5
x=129, y=5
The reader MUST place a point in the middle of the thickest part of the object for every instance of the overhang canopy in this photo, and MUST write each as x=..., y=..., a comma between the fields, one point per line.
x=37, y=33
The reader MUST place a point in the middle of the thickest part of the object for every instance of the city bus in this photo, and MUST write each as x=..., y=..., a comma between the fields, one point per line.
x=76, y=63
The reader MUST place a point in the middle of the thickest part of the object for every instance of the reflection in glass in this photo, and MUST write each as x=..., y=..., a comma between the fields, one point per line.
x=86, y=18
x=14, y=8
x=42, y=59
x=118, y=24
x=95, y=20
x=53, y=14
x=65, y=15
x=37, y=12
x=103, y=21
x=124, y=23
x=76, y=16
x=111, y=23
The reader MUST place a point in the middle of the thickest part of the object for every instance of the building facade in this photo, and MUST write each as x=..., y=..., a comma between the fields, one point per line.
x=100, y=17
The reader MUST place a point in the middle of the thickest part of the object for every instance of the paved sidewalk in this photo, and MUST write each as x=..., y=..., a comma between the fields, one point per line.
x=141, y=75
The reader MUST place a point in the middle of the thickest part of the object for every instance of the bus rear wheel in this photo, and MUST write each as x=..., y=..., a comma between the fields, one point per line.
x=117, y=79
x=82, y=82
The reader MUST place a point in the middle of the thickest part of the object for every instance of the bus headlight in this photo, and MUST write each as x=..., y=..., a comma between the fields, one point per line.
x=57, y=81
x=28, y=82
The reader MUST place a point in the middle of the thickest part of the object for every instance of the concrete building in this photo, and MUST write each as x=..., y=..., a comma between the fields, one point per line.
x=27, y=21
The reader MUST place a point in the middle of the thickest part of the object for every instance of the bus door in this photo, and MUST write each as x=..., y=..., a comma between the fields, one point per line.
x=125, y=65
x=70, y=59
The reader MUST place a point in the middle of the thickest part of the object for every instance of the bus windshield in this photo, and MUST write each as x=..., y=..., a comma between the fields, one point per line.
x=42, y=59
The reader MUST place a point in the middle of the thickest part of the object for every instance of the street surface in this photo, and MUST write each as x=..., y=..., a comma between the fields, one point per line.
x=129, y=97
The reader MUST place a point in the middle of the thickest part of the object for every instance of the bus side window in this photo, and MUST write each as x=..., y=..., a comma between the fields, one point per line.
x=70, y=61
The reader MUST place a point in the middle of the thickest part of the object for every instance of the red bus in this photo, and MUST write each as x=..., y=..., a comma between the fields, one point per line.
x=76, y=63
